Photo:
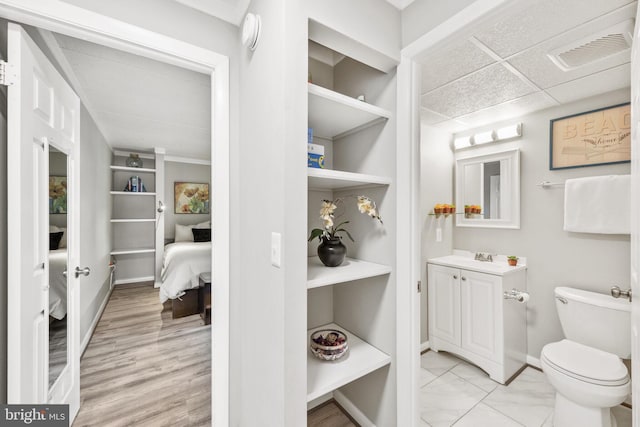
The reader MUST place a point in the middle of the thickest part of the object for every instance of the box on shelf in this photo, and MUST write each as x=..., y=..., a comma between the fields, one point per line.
x=315, y=156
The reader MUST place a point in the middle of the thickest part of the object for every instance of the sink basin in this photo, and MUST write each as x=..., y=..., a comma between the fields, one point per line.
x=499, y=266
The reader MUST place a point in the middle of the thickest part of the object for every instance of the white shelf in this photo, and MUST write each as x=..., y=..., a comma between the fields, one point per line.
x=327, y=179
x=130, y=169
x=134, y=220
x=351, y=269
x=332, y=114
x=361, y=359
x=132, y=251
x=132, y=193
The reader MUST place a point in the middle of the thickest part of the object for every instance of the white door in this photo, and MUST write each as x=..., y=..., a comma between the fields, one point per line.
x=635, y=224
x=444, y=304
x=481, y=307
x=42, y=111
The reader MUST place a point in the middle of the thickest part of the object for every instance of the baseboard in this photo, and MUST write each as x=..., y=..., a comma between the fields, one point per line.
x=94, y=323
x=352, y=410
x=134, y=280
x=424, y=346
x=533, y=361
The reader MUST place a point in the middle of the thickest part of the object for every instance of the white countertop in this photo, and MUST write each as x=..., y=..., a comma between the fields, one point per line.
x=464, y=260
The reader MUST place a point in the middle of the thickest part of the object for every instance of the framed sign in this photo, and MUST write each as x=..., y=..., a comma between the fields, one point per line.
x=596, y=137
x=191, y=197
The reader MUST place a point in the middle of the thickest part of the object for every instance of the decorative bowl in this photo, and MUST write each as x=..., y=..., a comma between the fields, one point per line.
x=328, y=344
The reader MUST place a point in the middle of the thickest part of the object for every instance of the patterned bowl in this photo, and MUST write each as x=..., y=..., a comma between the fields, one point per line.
x=328, y=344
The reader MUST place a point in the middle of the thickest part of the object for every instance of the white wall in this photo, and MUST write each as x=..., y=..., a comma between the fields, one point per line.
x=422, y=16
x=436, y=186
x=269, y=195
x=3, y=248
x=182, y=172
x=555, y=257
x=95, y=215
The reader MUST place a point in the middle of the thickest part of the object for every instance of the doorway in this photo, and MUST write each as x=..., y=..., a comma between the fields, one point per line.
x=77, y=22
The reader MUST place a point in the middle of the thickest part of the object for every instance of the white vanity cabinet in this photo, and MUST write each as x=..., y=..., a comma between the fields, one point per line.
x=469, y=316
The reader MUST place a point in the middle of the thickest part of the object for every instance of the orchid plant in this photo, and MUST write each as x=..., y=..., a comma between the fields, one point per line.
x=328, y=214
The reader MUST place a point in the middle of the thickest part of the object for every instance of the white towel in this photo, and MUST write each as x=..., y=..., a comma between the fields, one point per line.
x=598, y=204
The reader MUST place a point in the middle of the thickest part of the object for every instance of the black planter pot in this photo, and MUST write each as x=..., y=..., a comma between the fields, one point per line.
x=331, y=251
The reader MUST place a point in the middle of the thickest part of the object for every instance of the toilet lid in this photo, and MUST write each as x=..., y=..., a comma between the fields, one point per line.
x=586, y=363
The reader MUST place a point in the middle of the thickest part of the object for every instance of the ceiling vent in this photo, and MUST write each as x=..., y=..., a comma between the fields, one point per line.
x=609, y=44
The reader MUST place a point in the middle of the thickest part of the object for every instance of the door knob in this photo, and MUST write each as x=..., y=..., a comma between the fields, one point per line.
x=463, y=278
x=84, y=271
x=455, y=277
x=616, y=292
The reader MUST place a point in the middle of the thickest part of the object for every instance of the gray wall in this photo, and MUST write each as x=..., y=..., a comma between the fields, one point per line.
x=182, y=172
x=436, y=186
x=555, y=257
x=95, y=215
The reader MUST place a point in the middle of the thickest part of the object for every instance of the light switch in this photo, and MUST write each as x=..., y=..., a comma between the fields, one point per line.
x=276, y=249
x=438, y=234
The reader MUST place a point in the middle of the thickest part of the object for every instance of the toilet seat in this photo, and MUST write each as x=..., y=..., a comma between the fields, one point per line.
x=585, y=363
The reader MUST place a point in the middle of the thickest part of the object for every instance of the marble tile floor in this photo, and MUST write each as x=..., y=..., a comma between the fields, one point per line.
x=456, y=393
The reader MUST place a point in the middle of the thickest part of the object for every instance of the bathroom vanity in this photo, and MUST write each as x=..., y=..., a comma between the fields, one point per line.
x=474, y=313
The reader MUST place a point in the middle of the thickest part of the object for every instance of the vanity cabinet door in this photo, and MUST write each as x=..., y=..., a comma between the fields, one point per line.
x=444, y=303
x=481, y=313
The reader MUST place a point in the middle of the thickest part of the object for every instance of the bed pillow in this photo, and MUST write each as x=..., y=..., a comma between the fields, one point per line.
x=183, y=233
x=201, y=234
x=63, y=241
x=54, y=240
x=206, y=224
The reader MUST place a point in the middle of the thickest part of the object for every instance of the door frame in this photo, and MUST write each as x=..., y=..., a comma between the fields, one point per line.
x=76, y=22
x=408, y=183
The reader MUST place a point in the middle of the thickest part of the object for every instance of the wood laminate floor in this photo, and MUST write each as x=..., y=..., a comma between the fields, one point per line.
x=328, y=415
x=143, y=368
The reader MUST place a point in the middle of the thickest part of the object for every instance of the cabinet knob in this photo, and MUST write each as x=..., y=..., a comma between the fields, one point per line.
x=455, y=277
x=463, y=278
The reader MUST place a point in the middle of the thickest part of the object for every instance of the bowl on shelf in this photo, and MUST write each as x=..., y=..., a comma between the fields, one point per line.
x=328, y=344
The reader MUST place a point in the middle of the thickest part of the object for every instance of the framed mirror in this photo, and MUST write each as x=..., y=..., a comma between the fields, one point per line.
x=58, y=261
x=488, y=190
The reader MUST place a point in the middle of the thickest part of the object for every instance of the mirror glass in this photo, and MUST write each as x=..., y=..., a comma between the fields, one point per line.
x=488, y=187
x=57, y=263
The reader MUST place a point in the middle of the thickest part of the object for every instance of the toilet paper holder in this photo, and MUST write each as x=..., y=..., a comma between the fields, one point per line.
x=519, y=296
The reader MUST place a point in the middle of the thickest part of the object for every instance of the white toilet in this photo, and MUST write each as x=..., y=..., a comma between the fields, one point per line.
x=586, y=368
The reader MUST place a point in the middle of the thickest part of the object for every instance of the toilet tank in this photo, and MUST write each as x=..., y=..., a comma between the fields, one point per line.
x=594, y=319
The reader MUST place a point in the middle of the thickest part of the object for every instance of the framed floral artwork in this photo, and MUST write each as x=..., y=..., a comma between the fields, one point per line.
x=57, y=194
x=191, y=197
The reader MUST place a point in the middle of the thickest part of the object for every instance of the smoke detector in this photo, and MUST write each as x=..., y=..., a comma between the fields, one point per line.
x=612, y=44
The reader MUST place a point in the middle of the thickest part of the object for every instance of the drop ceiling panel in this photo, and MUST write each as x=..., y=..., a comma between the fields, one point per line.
x=595, y=84
x=451, y=64
x=508, y=110
x=540, y=21
x=431, y=117
x=490, y=86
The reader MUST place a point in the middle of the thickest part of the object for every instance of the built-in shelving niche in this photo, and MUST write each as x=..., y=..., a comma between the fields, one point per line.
x=133, y=220
x=357, y=297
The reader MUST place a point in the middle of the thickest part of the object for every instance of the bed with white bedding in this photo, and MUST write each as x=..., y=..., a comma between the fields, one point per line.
x=57, y=283
x=181, y=267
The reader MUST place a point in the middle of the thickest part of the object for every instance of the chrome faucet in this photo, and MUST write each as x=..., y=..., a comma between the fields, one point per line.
x=481, y=256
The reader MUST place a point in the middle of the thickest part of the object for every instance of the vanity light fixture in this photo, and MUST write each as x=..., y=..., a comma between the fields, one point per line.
x=483, y=137
x=462, y=142
x=508, y=132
